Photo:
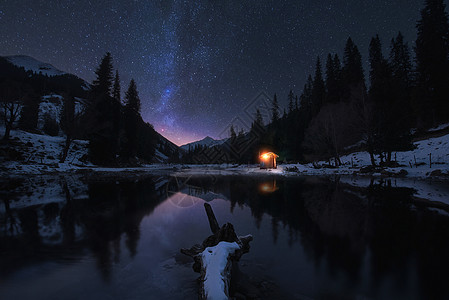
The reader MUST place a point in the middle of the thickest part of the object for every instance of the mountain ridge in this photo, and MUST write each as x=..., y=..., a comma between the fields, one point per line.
x=207, y=141
x=29, y=63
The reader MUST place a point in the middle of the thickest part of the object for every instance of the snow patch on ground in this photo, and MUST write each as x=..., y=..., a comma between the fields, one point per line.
x=43, y=152
x=214, y=261
x=440, y=127
x=416, y=162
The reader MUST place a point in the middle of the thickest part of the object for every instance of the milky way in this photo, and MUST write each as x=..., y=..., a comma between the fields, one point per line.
x=199, y=64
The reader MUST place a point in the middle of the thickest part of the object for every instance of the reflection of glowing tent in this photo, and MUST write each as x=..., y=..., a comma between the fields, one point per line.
x=268, y=160
x=268, y=187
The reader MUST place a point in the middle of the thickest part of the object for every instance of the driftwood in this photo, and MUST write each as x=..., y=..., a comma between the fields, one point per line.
x=208, y=254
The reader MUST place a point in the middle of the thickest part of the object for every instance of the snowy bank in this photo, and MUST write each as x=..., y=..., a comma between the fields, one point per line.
x=40, y=155
x=429, y=158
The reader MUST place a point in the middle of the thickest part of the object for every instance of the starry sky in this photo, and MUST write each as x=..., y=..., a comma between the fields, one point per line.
x=200, y=65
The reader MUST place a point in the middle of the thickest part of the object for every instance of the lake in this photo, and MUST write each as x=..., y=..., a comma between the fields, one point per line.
x=119, y=237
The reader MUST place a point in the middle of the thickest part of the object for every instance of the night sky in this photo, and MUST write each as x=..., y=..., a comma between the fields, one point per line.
x=199, y=65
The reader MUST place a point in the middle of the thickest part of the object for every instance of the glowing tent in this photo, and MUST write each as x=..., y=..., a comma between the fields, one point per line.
x=268, y=160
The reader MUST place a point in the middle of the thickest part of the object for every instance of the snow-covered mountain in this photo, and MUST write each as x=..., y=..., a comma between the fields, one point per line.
x=207, y=141
x=31, y=64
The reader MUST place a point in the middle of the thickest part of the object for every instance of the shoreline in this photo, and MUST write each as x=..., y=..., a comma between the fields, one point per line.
x=283, y=170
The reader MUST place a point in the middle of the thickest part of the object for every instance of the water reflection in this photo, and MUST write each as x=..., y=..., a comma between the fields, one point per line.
x=110, y=212
x=351, y=230
x=380, y=241
x=268, y=186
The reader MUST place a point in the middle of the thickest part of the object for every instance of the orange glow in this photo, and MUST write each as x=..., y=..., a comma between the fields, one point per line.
x=268, y=160
x=267, y=155
x=268, y=187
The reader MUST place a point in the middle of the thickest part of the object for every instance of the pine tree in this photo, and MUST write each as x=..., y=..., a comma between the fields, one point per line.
x=104, y=115
x=275, y=110
x=306, y=100
x=401, y=92
x=332, y=84
x=353, y=78
x=116, y=89
x=338, y=73
x=401, y=72
x=103, y=83
x=376, y=60
x=337, y=67
x=400, y=61
x=257, y=129
x=232, y=133
x=290, y=102
x=132, y=118
x=380, y=98
x=432, y=57
x=116, y=106
x=390, y=126
x=258, y=120
x=318, y=89
x=132, y=100
x=296, y=103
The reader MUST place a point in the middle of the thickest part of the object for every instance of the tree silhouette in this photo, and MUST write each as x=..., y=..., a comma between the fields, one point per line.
x=432, y=57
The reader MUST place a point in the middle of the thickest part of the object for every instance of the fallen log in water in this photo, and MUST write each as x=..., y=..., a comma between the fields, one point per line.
x=214, y=257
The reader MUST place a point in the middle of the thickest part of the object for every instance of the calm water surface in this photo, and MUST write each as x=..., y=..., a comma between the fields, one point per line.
x=119, y=238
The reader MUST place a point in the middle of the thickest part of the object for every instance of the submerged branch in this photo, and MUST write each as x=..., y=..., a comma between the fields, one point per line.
x=213, y=259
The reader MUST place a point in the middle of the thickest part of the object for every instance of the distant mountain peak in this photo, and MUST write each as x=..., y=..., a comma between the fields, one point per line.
x=207, y=141
x=31, y=64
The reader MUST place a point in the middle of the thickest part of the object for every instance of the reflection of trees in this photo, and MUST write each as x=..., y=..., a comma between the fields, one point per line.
x=113, y=210
x=404, y=233
x=62, y=230
x=338, y=224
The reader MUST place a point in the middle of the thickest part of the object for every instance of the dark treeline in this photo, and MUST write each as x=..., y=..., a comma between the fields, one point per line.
x=336, y=112
x=116, y=132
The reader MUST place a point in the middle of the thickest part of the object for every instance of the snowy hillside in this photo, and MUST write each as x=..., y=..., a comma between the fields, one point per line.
x=31, y=64
x=207, y=141
x=37, y=154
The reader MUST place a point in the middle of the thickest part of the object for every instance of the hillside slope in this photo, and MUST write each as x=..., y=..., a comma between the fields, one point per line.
x=31, y=64
x=49, y=84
